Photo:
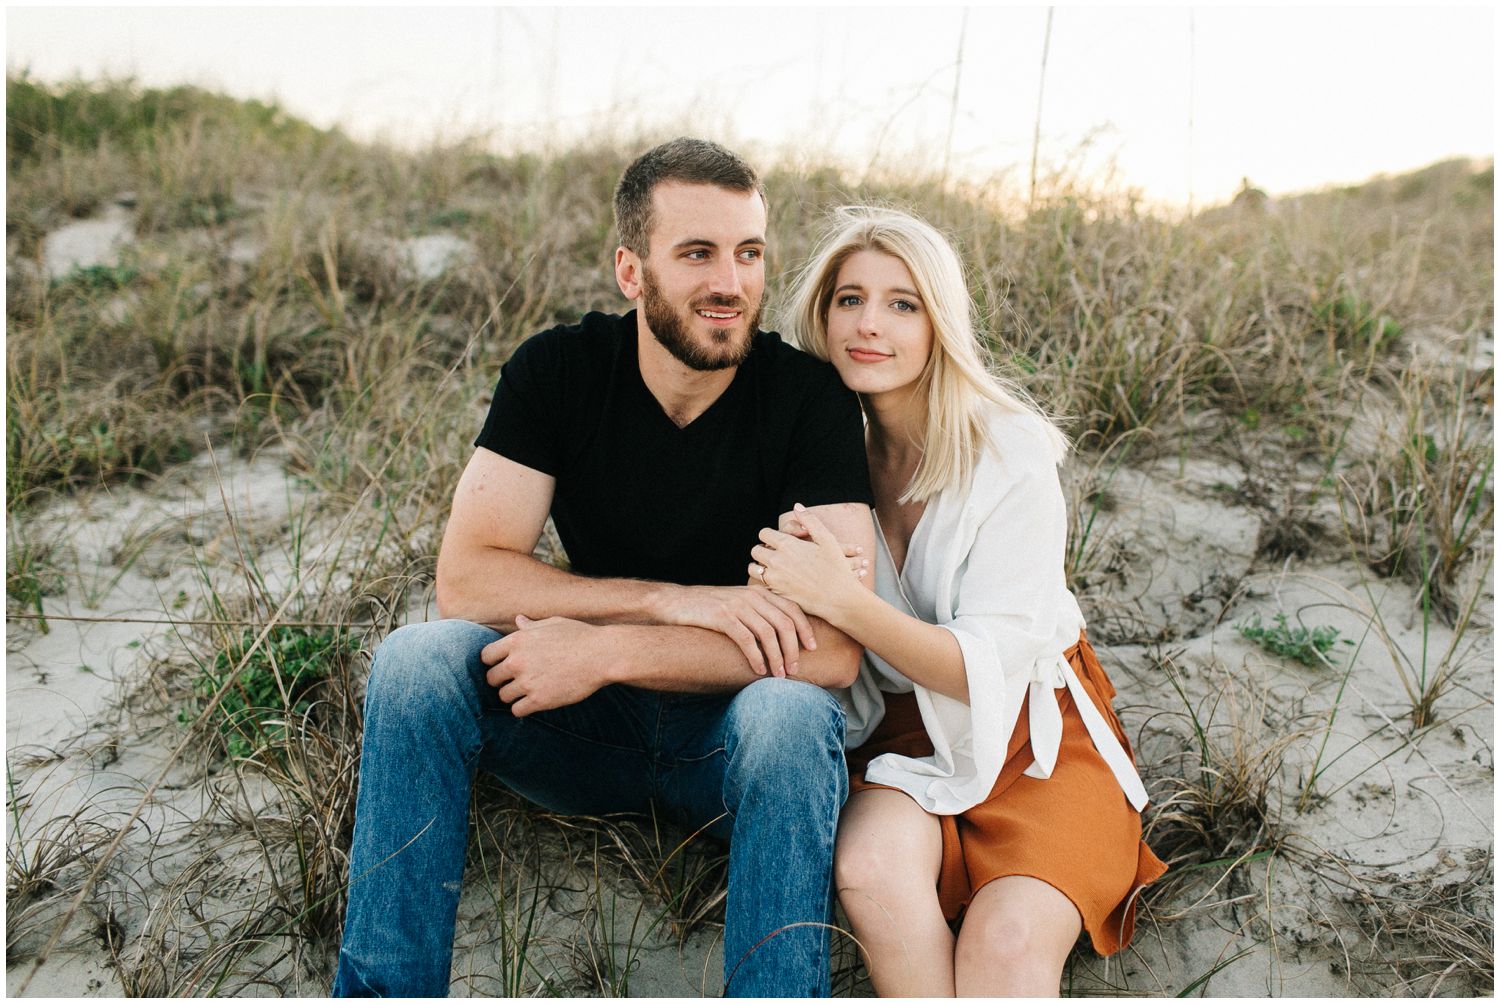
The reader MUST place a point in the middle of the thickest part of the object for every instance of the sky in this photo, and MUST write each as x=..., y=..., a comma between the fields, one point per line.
x=1178, y=102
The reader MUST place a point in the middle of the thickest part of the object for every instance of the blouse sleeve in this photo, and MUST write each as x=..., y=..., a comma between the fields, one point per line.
x=1008, y=600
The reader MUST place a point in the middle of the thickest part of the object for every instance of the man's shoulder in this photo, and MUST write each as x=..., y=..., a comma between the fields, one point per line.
x=583, y=337
x=790, y=365
x=771, y=346
x=816, y=424
x=546, y=385
x=569, y=355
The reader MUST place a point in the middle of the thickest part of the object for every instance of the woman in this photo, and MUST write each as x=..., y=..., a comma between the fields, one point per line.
x=990, y=779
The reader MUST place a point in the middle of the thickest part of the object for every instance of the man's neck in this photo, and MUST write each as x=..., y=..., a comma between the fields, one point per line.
x=683, y=392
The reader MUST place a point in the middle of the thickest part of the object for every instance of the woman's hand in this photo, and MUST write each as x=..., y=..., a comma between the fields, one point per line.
x=816, y=574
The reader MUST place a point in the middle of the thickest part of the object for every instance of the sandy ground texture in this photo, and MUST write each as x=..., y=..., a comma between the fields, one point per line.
x=1342, y=851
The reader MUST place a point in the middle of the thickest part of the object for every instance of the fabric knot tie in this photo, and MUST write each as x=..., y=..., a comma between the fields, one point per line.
x=1045, y=716
x=1049, y=673
x=1046, y=728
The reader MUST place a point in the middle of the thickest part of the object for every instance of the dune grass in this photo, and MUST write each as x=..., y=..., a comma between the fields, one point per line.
x=261, y=305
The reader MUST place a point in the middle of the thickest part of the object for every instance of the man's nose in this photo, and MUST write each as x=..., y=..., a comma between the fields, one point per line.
x=724, y=278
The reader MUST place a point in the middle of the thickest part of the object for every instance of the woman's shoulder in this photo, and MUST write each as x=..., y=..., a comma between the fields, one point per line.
x=1017, y=442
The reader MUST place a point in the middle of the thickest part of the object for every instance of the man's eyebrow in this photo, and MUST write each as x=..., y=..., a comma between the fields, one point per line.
x=704, y=242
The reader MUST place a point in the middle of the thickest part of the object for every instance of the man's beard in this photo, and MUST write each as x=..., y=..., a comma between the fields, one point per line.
x=671, y=328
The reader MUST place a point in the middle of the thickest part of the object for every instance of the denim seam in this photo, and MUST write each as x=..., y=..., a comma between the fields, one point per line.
x=654, y=754
x=471, y=762
x=589, y=739
x=344, y=958
x=677, y=761
x=724, y=787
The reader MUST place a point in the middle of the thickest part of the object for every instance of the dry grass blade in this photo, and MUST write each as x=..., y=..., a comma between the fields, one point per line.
x=1432, y=932
x=1218, y=800
x=1422, y=502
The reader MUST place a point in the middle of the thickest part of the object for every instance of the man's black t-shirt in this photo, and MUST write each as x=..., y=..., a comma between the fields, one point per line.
x=636, y=496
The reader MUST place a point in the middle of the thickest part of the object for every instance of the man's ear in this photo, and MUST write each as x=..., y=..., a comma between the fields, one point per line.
x=628, y=268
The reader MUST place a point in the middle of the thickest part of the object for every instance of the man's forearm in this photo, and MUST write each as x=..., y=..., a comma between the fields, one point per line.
x=684, y=638
x=559, y=661
x=652, y=655
x=506, y=583
x=697, y=660
x=493, y=586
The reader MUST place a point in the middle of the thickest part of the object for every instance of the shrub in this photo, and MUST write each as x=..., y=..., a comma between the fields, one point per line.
x=1311, y=646
x=271, y=688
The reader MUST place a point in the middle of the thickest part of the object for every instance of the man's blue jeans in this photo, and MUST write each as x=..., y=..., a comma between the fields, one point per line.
x=767, y=763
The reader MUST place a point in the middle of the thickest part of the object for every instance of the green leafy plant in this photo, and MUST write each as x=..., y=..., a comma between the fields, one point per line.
x=1351, y=321
x=1311, y=646
x=102, y=278
x=30, y=574
x=272, y=687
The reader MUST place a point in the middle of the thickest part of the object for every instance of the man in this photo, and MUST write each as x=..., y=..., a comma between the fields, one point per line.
x=648, y=676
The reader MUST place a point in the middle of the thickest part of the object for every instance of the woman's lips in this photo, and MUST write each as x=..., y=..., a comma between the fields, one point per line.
x=868, y=356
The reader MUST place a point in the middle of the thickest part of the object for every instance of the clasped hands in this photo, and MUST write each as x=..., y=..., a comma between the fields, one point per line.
x=804, y=563
x=768, y=620
x=797, y=570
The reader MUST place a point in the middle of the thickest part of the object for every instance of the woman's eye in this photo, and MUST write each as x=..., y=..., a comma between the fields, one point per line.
x=847, y=300
x=905, y=306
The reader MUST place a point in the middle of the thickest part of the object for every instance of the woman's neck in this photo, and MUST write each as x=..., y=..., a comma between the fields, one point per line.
x=897, y=426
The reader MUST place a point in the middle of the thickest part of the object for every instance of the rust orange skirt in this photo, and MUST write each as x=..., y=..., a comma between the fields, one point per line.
x=1075, y=831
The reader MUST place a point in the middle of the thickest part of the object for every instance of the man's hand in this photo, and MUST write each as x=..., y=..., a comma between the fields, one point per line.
x=547, y=664
x=767, y=628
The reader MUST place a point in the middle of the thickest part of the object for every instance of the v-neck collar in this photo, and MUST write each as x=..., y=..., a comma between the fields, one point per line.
x=910, y=547
x=632, y=368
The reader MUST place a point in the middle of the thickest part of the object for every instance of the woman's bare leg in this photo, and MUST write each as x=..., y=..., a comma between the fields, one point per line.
x=1015, y=939
x=885, y=867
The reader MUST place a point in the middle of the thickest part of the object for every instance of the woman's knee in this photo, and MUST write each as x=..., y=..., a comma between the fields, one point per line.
x=861, y=865
x=1004, y=938
x=890, y=852
x=1028, y=936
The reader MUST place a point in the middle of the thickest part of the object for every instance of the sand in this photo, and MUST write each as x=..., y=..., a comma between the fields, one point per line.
x=1174, y=572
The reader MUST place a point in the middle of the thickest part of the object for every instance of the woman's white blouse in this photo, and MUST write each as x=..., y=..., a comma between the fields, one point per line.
x=987, y=565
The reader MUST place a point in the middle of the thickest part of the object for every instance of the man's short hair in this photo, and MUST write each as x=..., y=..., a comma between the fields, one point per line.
x=691, y=161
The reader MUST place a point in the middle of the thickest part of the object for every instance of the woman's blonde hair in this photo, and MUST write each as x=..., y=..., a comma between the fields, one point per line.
x=958, y=380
